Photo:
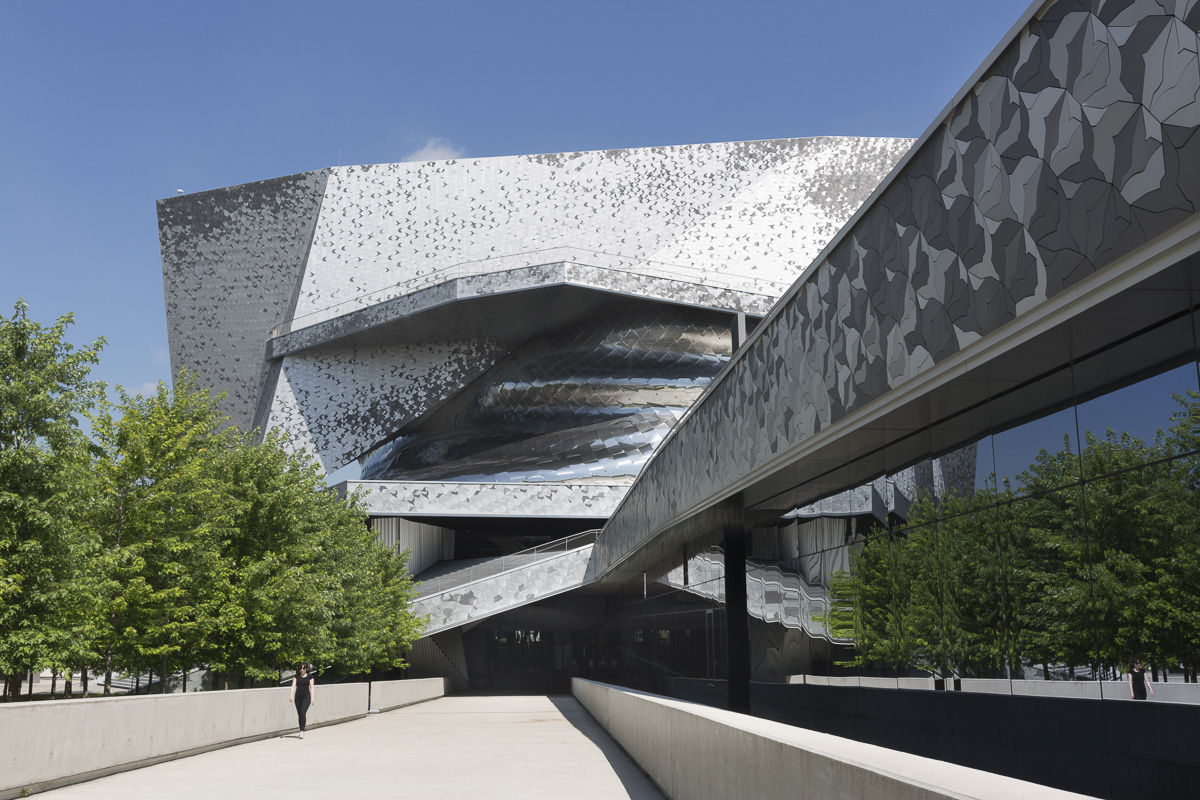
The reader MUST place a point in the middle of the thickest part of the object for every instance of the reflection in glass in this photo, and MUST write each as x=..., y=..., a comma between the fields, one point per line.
x=1139, y=407
x=590, y=401
x=1082, y=570
x=1030, y=456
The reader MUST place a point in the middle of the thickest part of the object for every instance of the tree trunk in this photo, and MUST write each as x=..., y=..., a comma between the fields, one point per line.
x=83, y=678
x=108, y=671
x=53, y=682
x=30, y=694
x=137, y=683
x=1154, y=673
x=164, y=674
x=68, y=689
x=185, y=672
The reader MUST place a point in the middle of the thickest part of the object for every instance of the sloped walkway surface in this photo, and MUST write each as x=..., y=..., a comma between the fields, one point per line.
x=457, y=748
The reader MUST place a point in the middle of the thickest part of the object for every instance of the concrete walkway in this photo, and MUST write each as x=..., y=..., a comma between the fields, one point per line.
x=457, y=748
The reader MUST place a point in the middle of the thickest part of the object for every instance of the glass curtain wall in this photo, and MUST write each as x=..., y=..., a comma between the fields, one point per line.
x=1061, y=544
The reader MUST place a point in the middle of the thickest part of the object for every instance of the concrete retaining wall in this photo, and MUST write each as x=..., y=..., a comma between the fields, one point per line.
x=48, y=744
x=696, y=752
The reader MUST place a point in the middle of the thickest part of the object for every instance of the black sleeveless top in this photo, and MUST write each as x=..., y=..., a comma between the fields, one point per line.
x=1138, y=676
x=302, y=684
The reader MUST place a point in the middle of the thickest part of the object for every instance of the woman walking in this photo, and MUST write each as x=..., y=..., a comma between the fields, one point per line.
x=304, y=694
x=1139, y=681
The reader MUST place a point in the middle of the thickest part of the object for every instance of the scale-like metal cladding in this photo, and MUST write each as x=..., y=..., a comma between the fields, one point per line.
x=589, y=401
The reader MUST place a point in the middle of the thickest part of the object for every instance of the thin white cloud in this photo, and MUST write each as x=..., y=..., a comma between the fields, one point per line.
x=435, y=149
x=147, y=389
x=161, y=355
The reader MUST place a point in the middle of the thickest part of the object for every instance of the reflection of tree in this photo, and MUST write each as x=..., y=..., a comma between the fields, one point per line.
x=1095, y=560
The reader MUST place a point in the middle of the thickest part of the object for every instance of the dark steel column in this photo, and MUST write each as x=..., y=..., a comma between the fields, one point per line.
x=737, y=624
x=737, y=330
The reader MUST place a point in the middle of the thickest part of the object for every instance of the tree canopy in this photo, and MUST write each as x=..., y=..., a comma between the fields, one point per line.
x=167, y=539
x=44, y=481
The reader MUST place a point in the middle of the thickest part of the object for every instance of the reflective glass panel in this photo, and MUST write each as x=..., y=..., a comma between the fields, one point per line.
x=1036, y=453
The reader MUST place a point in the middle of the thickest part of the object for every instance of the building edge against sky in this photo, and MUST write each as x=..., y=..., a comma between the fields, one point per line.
x=506, y=343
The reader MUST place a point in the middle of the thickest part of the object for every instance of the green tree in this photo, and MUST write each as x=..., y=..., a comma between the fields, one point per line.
x=160, y=522
x=307, y=579
x=280, y=606
x=372, y=623
x=44, y=554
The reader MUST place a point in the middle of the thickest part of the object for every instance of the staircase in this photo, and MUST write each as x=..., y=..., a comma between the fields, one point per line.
x=455, y=593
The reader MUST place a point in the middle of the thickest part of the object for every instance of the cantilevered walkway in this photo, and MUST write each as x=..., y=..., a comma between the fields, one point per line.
x=453, y=747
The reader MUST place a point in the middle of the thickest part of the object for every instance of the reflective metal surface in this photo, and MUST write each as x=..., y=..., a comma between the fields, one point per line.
x=589, y=401
x=774, y=592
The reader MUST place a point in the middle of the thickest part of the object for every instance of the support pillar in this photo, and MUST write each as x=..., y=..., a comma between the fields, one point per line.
x=737, y=623
x=737, y=329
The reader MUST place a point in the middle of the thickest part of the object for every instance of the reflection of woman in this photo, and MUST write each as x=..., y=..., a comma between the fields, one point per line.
x=1139, y=681
x=304, y=694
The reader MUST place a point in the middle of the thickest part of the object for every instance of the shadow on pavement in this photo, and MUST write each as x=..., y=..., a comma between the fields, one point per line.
x=637, y=783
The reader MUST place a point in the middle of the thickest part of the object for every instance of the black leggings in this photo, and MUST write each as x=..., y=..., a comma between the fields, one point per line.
x=302, y=704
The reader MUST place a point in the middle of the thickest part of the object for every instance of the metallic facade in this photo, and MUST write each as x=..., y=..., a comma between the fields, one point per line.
x=587, y=401
x=333, y=304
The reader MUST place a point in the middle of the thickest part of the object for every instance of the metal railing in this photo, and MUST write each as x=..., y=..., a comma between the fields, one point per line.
x=502, y=564
x=643, y=267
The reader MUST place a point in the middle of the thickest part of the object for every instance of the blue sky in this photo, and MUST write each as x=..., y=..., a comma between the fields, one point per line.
x=110, y=106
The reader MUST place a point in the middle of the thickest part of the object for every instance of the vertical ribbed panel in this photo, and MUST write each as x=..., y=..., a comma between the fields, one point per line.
x=428, y=659
x=428, y=543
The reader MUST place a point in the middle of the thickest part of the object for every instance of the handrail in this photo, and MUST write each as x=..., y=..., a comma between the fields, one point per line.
x=474, y=268
x=496, y=566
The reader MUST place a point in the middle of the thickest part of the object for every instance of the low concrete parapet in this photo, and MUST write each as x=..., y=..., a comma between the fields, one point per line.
x=386, y=695
x=695, y=752
x=45, y=745
x=864, y=682
x=1094, y=690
